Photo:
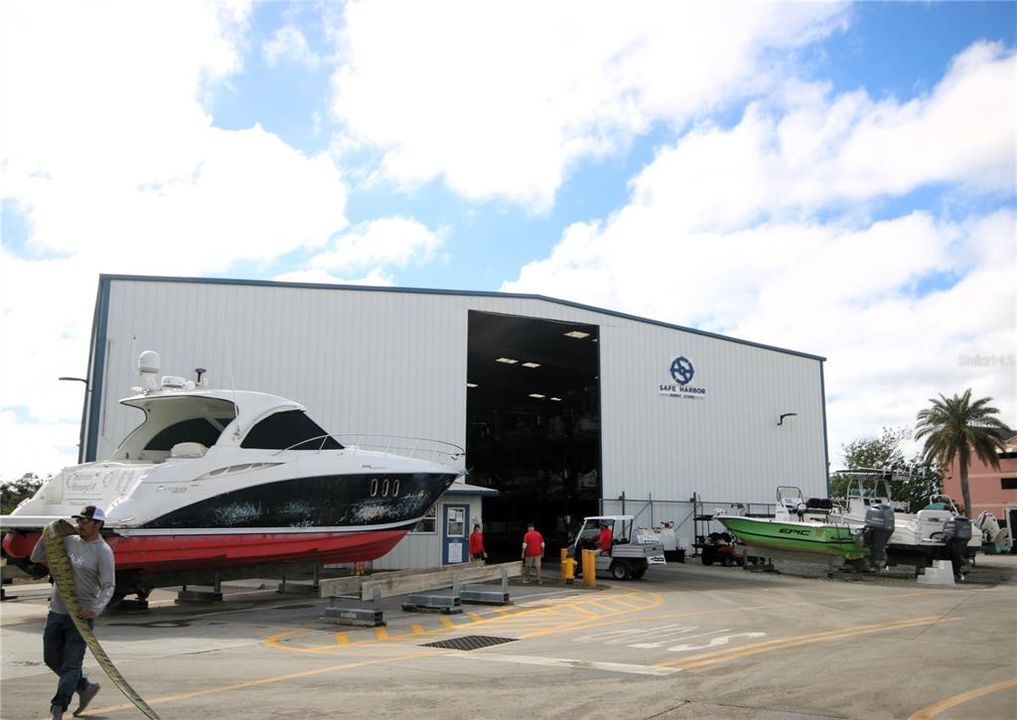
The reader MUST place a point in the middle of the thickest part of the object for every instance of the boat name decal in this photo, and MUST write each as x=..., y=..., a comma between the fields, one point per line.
x=83, y=486
x=794, y=531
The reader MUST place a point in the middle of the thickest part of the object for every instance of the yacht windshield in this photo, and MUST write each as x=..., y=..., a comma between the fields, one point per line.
x=289, y=430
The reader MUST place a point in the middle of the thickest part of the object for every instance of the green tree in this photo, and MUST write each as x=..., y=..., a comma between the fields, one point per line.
x=923, y=481
x=911, y=480
x=15, y=491
x=955, y=427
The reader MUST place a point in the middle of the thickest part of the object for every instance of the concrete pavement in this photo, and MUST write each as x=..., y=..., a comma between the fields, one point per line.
x=687, y=642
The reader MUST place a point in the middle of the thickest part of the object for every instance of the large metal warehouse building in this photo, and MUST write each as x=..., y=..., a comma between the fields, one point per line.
x=566, y=410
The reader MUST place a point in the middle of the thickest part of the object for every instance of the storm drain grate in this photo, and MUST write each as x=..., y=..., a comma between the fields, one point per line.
x=469, y=642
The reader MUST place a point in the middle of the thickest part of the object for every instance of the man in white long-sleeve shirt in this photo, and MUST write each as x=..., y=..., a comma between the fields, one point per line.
x=94, y=581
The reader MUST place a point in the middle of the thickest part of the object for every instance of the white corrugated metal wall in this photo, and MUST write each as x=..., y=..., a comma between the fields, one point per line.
x=394, y=362
x=360, y=362
x=725, y=445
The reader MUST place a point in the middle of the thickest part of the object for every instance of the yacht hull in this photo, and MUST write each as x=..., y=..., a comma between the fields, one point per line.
x=203, y=549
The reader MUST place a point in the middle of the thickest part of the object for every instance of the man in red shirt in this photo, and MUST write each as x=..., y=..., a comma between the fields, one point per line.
x=533, y=551
x=477, y=551
x=604, y=541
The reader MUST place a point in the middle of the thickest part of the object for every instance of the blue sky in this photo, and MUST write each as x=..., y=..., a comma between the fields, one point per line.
x=840, y=176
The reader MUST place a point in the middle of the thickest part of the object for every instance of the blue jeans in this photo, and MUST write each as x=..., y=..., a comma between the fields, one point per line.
x=63, y=649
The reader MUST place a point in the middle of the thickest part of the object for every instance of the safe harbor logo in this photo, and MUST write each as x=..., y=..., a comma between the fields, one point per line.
x=682, y=372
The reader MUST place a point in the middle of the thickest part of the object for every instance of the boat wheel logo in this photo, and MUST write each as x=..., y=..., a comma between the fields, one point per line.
x=682, y=370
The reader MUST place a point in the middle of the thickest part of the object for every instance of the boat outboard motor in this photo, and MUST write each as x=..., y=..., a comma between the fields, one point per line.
x=879, y=524
x=956, y=534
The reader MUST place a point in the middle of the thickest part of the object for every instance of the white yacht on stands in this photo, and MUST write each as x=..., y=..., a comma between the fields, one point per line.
x=219, y=479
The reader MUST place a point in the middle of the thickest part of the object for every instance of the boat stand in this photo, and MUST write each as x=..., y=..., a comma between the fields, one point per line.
x=302, y=586
x=834, y=566
x=445, y=604
x=489, y=597
x=358, y=616
x=198, y=596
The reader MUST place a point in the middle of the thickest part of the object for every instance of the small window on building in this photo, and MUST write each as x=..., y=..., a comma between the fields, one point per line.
x=1009, y=483
x=428, y=523
x=292, y=430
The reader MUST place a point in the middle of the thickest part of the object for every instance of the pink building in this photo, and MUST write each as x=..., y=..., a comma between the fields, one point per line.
x=992, y=490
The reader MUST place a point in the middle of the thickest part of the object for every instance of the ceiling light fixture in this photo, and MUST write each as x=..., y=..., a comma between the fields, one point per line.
x=507, y=361
x=577, y=334
x=556, y=399
x=538, y=396
x=531, y=364
x=471, y=385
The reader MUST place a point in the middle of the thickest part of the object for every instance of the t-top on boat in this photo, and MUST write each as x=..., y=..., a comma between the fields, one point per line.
x=216, y=479
x=936, y=532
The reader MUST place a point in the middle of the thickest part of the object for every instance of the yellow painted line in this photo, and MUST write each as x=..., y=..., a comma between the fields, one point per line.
x=606, y=622
x=712, y=658
x=599, y=604
x=279, y=638
x=521, y=621
x=945, y=704
x=380, y=633
x=342, y=638
x=417, y=629
x=164, y=699
x=597, y=621
x=474, y=617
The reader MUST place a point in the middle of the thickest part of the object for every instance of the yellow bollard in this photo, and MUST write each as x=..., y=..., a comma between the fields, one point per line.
x=568, y=567
x=590, y=568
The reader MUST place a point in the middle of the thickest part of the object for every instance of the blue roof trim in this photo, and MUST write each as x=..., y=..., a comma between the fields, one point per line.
x=467, y=293
x=97, y=367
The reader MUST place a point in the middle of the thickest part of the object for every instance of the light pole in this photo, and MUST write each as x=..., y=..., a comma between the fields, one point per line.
x=84, y=408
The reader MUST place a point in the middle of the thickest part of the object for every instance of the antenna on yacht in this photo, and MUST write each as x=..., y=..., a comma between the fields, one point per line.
x=199, y=372
x=148, y=369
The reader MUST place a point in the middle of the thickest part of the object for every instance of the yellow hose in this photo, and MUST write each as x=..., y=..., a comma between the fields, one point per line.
x=60, y=568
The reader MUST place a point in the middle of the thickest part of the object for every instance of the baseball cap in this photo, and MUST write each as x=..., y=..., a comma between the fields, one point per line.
x=91, y=512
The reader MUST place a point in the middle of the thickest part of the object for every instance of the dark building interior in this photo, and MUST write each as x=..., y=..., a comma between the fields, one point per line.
x=533, y=426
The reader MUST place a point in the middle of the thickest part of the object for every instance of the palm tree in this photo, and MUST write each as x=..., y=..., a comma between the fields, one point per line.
x=953, y=427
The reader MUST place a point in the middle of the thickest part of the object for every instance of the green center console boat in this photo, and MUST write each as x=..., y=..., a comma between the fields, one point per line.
x=801, y=526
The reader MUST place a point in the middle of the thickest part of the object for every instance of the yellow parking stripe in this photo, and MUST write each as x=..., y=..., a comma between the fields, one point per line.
x=947, y=703
x=268, y=681
x=712, y=658
x=549, y=617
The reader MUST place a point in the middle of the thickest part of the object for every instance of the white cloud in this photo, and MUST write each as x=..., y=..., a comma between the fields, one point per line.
x=806, y=151
x=289, y=43
x=741, y=231
x=108, y=151
x=501, y=99
x=387, y=241
x=320, y=276
x=24, y=451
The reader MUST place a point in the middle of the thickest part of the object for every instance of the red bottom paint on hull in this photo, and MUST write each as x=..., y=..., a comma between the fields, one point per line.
x=174, y=553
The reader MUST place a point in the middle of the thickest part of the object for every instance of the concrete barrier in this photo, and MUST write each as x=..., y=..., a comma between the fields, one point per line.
x=405, y=582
